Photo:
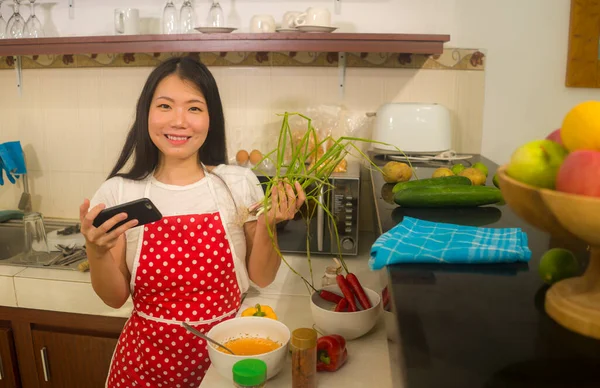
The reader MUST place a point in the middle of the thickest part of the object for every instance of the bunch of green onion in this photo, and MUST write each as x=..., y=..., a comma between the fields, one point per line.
x=313, y=177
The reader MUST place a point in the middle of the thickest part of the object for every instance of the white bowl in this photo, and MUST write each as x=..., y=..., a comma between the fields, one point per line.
x=349, y=325
x=249, y=327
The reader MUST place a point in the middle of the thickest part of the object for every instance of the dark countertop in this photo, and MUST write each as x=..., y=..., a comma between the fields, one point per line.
x=481, y=326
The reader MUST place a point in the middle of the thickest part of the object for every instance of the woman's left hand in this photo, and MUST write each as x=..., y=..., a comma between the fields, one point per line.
x=284, y=202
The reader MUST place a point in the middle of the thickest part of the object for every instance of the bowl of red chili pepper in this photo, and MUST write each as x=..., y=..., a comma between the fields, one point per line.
x=350, y=310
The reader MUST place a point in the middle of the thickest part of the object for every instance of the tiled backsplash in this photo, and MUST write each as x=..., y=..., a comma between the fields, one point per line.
x=72, y=122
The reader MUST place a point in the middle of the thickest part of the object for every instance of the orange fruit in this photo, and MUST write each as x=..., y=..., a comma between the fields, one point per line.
x=581, y=127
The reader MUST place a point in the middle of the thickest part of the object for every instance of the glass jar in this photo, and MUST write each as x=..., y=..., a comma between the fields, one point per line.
x=329, y=279
x=303, y=345
x=249, y=373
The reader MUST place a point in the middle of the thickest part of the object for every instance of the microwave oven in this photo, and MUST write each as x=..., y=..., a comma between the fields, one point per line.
x=312, y=229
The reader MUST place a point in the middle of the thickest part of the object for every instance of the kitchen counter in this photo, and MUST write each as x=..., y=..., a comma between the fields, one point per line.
x=71, y=291
x=481, y=325
x=367, y=353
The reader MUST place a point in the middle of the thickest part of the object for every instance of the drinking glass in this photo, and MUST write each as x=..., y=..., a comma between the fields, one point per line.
x=187, y=18
x=36, y=243
x=16, y=24
x=2, y=22
x=33, y=27
x=170, y=23
x=216, y=17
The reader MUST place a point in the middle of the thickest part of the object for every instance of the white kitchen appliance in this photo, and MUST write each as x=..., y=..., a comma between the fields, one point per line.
x=415, y=128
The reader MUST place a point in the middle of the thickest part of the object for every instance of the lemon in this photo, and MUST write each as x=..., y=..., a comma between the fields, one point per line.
x=481, y=167
x=581, y=127
x=558, y=264
x=458, y=168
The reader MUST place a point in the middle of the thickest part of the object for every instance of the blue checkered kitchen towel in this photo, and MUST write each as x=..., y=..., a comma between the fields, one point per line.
x=418, y=241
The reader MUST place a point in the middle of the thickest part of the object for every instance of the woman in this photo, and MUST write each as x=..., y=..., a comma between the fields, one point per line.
x=193, y=264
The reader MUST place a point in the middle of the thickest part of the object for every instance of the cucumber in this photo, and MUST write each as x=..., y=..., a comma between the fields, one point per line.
x=441, y=181
x=448, y=196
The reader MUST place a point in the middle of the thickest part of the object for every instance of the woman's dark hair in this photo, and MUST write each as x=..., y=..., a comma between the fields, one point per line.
x=138, y=142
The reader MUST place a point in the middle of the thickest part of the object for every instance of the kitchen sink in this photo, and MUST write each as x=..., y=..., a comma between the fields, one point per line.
x=12, y=242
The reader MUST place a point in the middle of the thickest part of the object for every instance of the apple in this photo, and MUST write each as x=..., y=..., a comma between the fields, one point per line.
x=555, y=136
x=580, y=174
x=536, y=163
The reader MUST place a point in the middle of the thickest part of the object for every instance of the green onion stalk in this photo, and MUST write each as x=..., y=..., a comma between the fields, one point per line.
x=313, y=177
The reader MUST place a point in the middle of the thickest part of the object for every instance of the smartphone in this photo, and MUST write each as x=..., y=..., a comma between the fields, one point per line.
x=141, y=209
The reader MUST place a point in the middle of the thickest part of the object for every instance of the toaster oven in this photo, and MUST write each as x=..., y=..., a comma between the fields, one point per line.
x=312, y=229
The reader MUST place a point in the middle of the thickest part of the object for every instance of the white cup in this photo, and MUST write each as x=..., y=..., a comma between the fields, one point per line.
x=289, y=18
x=262, y=23
x=127, y=21
x=314, y=17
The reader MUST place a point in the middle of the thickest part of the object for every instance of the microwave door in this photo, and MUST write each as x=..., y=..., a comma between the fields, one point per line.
x=320, y=221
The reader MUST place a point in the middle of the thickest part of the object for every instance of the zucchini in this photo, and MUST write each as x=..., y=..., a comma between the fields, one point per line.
x=448, y=196
x=441, y=181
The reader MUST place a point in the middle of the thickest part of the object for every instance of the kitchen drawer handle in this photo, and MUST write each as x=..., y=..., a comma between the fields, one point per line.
x=44, y=354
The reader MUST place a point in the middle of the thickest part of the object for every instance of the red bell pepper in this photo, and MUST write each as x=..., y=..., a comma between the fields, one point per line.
x=331, y=353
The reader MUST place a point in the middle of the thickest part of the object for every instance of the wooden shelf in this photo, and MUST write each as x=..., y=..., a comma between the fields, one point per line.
x=266, y=42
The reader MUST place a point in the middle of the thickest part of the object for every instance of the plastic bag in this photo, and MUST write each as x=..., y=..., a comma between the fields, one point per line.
x=331, y=122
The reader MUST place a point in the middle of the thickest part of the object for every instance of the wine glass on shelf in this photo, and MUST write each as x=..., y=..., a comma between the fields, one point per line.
x=216, y=17
x=2, y=22
x=33, y=27
x=187, y=17
x=16, y=23
x=170, y=23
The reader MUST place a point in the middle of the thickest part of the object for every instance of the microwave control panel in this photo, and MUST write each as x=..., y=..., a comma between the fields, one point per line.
x=345, y=211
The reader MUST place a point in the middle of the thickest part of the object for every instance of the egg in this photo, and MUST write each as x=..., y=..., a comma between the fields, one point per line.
x=241, y=157
x=255, y=157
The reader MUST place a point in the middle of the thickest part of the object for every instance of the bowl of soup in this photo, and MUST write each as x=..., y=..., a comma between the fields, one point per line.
x=249, y=337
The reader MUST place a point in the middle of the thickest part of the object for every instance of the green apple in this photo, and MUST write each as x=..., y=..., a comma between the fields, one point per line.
x=537, y=163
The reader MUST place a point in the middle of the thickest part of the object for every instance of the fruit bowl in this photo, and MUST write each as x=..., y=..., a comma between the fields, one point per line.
x=575, y=302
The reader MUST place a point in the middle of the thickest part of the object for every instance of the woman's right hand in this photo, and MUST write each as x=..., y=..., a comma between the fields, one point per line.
x=98, y=239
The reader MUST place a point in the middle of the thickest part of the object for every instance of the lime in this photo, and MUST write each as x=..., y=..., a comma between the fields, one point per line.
x=481, y=167
x=458, y=168
x=495, y=181
x=558, y=264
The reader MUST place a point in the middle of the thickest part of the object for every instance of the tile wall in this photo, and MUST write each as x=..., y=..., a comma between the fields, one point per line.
x=72, y=122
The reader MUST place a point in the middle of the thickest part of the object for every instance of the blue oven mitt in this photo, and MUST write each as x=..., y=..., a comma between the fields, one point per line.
x=418, y=241
x=12, y=161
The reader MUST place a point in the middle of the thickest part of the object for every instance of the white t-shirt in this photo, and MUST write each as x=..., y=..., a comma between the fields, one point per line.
x=195, y=198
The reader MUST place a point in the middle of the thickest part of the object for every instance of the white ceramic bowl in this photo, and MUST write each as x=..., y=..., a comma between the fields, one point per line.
x=349, y=325
x=249, y=327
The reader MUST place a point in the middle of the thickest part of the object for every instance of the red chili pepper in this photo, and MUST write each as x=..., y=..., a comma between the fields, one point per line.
x=330, y=296
x=342, y=305
x=331, y=353
x=358, y=290
x=385, y=294
x=345, y=288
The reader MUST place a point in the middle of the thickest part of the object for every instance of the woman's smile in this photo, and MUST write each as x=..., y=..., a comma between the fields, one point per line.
x=177, y=140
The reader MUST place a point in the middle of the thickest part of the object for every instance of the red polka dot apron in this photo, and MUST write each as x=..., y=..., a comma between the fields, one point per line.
x=184, y=272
